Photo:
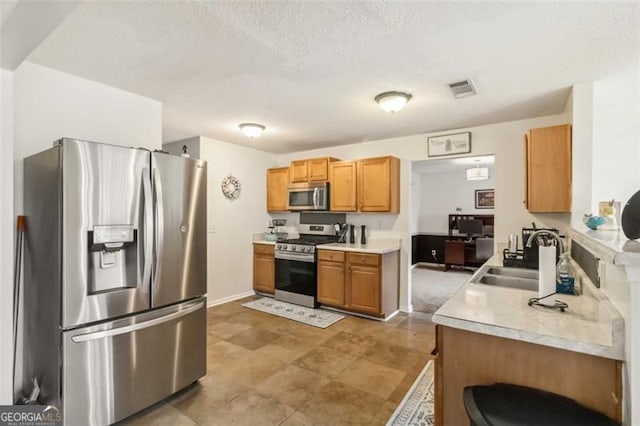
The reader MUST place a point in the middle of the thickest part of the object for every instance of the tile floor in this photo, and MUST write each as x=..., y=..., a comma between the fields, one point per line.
x=267, y=370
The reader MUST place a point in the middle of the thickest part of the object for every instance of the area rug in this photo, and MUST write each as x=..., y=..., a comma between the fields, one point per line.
x=315, y=317
x=417, y=406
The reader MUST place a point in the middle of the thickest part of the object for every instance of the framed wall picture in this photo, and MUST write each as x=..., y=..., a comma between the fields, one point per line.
x=453, y=144
x=485, y=198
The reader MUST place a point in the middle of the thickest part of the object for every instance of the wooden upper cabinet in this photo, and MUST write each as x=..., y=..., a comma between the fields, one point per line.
x=277, y=195
x=319, y=169
x=548, y=168
x=343, y=186
x=299, y=171
x=379, y=185
x=313, y=170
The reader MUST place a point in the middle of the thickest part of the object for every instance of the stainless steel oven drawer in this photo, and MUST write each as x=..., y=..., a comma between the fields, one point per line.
x=113, y=370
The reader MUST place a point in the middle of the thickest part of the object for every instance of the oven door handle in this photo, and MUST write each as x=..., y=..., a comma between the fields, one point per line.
x=295, y=258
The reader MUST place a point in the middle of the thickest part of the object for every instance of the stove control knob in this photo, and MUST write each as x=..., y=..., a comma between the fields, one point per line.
x=293, y=248
x=309, y=249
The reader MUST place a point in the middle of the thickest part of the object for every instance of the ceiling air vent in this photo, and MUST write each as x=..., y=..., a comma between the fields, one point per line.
x=461, y=89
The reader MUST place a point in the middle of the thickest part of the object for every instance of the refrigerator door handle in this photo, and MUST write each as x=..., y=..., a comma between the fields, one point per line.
x=135, y=327
x=148, y=226
x=159, y=222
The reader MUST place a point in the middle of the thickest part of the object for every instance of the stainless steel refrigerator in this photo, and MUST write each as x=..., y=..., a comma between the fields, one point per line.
x=114, y=278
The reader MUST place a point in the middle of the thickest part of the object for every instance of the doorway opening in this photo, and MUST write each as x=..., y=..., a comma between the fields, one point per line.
x=452, y=226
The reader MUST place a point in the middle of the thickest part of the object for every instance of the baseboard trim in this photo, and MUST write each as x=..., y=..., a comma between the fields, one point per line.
x=228, y=299
x=406, y=309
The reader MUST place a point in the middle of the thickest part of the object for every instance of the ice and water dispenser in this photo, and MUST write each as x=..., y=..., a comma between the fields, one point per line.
x=113, y=258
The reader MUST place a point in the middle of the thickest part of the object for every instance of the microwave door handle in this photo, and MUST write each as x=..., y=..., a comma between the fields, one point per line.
x=315, y=198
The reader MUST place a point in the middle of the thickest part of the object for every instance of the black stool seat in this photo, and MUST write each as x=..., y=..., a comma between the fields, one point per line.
x=503, y=404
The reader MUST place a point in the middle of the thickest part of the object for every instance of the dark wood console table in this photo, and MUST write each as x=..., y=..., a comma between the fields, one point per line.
x=459, y=252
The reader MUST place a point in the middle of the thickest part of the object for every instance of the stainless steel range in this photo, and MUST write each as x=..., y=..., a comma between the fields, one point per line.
x=296, y=279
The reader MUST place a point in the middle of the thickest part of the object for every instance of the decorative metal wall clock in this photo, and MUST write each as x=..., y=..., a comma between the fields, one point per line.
x=231, y=187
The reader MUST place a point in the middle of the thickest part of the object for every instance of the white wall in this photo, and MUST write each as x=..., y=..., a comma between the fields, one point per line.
x=442, y=193
x=193, y=147
x=232, y=223
x=49, y=104
x=504, y=140
x=616, y=137
x=6, y=235
x=582, y=161
x=416, y=202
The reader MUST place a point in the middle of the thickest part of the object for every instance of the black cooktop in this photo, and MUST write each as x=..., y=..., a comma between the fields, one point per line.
x=311, y=240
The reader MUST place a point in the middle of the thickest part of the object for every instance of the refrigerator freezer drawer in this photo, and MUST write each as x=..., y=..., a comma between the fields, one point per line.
x=113, y=370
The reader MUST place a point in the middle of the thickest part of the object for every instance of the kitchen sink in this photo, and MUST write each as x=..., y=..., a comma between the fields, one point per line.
x=523, y=279
x=511, y=282
x=513, y=272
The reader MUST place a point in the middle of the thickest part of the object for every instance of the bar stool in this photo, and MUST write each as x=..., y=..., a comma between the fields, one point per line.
x=504, y=404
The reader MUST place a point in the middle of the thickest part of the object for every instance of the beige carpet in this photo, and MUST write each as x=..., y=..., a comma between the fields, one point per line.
x=431, y=288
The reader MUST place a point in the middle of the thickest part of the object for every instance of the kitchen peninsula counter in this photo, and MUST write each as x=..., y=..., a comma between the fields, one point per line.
x=590, y=325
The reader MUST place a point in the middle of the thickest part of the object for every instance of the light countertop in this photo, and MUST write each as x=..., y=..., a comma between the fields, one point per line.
x=591, y=325
x=375, y=246
x=270, y=243
x=610, y=246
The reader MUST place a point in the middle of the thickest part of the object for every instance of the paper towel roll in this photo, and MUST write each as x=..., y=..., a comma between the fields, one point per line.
x=547, y=270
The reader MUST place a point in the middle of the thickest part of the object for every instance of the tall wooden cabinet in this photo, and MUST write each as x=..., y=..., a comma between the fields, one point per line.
x=264, y=268
x=379, y=185
x=277, y=196
x=360, y=282
x=548, y=169
x=343, y=189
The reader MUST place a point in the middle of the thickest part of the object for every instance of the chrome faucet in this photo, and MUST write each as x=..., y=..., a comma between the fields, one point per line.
x=547, y=232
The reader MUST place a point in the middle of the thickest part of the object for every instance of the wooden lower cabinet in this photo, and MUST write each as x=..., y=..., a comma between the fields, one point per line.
x=464, y=358
x=363, y=286
x=264, y=268
x=331, y=287
x=360, y=282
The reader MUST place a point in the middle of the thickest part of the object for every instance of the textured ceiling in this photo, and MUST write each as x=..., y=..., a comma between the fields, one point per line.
x=309, y=70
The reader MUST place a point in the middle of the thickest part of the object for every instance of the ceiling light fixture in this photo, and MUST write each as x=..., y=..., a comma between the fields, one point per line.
x=477, y=173
x=392, y=101
x=252, y=130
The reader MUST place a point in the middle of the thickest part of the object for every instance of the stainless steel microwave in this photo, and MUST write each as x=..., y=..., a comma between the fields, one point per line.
x=309, y=196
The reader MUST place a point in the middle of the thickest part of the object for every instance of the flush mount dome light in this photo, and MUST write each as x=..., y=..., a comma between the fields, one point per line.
x=252, y=130
x=392, y=101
